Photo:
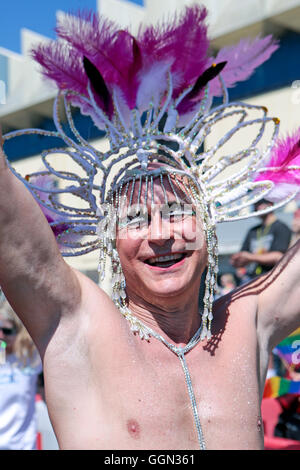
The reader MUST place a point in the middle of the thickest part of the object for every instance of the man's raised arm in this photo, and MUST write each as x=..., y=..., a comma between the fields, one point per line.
x=279, y=297
x=37, y=282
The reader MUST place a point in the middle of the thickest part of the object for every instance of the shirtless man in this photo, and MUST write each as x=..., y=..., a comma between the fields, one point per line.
x=108, y=389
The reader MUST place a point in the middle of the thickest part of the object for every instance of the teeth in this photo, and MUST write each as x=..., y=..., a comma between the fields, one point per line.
x=164, y=258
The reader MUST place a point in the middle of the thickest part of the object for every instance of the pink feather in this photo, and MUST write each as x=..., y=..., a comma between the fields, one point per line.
x=283, y=168
x=59, y=225
x=47, y=183
x=181, y=42
x=87, y=32
x=285, y=155
x=131, y=65
x=114, y=52
x=60, y=63
x=242, y=60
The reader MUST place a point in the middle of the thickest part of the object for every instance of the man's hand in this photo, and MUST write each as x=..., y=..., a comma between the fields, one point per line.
x=241, y=259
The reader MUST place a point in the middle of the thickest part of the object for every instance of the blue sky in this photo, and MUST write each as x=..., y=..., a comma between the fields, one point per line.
x=38, y=15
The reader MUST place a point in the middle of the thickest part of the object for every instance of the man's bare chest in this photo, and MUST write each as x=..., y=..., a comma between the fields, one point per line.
x=148, y=398
x=135, y=395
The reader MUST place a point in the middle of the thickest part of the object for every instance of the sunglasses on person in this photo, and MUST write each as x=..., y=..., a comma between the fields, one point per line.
x=8, y=331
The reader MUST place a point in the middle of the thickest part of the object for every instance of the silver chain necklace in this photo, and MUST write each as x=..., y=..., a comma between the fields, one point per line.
x=180, y=353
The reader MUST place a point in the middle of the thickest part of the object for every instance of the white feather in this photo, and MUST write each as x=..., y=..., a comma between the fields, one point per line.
x=281, y=191
x=153, y=83
x=122, y=105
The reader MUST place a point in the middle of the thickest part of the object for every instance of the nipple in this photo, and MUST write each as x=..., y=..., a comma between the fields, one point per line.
x=133, y=428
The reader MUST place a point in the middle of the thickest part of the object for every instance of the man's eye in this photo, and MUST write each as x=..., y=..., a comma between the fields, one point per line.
x=134, y=220
x=179, y=213
x=175, y=214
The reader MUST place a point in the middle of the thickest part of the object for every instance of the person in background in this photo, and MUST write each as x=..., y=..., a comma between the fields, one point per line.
x=242, y=276
x=264, y=244
x=227, y=283
x=18, y=384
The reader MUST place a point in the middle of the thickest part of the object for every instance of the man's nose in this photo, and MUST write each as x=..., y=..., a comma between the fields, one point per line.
x=160, y=229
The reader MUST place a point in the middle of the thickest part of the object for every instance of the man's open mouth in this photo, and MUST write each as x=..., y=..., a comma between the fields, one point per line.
x=165, y=261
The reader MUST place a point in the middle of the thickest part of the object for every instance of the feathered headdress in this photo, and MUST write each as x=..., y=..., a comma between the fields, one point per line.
x=152, y=93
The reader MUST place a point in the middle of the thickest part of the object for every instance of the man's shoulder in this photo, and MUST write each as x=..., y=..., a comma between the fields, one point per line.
x=241, y=299
x=93, y=296
x=93, y=319
x=86, y=283
x=279, y=224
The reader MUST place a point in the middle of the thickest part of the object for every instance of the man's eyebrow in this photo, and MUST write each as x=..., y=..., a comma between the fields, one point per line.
x=171, y=204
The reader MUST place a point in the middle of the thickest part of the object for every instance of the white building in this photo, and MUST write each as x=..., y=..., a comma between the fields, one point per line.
x=26, y=99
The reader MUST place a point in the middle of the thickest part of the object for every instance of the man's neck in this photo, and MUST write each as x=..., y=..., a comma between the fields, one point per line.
x=177, y=322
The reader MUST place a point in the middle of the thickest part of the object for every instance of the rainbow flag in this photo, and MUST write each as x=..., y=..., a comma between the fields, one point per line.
x=289, y=349
x=278, y=386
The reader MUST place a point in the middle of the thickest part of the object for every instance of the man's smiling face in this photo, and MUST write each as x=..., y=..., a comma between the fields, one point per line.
x=161, y=242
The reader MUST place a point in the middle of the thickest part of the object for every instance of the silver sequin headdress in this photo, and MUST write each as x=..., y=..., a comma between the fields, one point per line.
x=153, y=95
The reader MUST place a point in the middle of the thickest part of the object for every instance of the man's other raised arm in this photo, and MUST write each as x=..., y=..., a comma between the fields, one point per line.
x=279, y=298
x=37, y=282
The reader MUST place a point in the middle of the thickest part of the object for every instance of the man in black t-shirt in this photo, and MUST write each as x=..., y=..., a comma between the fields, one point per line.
x=264, y=244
